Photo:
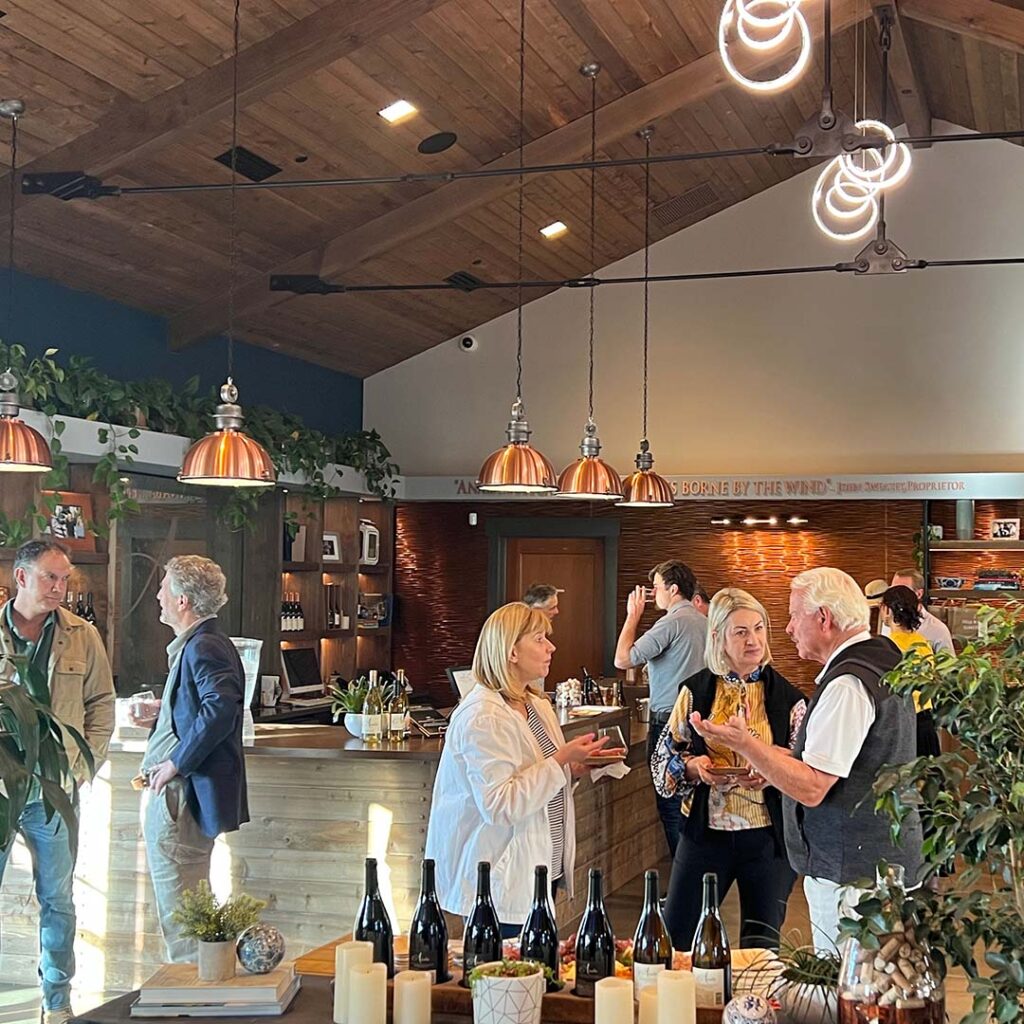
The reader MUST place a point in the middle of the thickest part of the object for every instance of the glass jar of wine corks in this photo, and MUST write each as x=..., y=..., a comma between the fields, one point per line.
x=887, y=974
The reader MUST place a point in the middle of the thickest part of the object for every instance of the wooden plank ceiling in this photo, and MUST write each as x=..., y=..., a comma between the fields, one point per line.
x=138, y=92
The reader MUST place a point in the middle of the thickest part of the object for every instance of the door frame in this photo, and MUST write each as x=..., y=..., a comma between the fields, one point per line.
x=499, y=530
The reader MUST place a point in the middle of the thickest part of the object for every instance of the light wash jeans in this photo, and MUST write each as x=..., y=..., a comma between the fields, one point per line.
x=53, y=869
x=827, y=903
x=179, y=858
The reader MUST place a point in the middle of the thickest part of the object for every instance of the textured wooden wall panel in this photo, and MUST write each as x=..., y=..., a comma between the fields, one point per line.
x=441, y=563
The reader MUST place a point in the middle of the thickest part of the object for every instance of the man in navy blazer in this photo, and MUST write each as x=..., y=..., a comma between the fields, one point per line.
x=194, y=764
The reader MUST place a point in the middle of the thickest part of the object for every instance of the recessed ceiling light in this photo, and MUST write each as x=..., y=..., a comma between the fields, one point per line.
x=554, y=229
x=397, y=111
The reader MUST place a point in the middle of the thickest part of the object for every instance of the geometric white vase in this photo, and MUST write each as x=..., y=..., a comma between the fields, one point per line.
x=216, y=960
x=508, y=1000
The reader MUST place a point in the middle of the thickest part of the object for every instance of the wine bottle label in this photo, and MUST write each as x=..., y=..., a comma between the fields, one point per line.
x=710, y=987
x=371, y=724
x=584, y=987
x=397, y=723
x=645, y=976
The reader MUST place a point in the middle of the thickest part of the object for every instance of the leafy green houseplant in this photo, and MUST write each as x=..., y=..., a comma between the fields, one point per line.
x=215, y=926
x=33, y=749
x=348, y=702
x=802, y=979
x=972, y=805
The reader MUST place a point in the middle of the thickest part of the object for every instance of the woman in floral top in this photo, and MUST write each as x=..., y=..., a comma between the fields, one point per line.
x=732, y=820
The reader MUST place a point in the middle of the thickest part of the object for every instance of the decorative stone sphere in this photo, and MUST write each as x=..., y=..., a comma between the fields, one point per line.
x=260, y=948
x=749, y=1009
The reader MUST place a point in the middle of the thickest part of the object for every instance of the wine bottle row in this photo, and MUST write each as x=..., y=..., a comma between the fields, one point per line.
x=82, y=607
x=595, y=941
x=385, y=713
x=293, y=619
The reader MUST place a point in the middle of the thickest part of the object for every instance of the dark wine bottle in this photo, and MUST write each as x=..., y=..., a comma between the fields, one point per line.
x=372, y=921
x=539, y=937
x=482, y=942
x=428, y=933
x=90, y=611
x=80, y=606
x=595, y=943
x=712, y=963
x=591, y=691
x=652, y=947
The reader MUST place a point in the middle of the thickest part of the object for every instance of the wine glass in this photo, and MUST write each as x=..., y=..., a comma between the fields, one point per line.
x=614, y=750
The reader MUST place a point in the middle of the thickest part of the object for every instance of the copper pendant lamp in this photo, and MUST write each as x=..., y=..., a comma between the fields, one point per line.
x=22, y=448
x=645, y=488
x=518, y=468
x=229, y=457
x=590, y=477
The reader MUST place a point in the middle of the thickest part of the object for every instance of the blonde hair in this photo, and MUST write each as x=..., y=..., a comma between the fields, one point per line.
x=836, y=591
x=503, y=629
x=723, y=604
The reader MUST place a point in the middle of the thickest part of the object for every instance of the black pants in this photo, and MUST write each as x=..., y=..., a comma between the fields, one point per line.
x=748, y=858
x=669, y=807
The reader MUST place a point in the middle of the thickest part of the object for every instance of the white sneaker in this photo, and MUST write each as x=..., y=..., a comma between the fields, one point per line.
x=62, y=1015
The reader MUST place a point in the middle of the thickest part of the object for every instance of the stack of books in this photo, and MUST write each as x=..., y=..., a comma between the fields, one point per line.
x=176, y=991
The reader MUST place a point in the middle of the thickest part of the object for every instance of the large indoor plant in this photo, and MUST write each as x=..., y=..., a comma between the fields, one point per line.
x=216, y=926
x=33, y=748
x=972, y=805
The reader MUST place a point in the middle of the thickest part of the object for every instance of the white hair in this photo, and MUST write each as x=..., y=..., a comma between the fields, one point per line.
x=838, y=592
x=201, y=580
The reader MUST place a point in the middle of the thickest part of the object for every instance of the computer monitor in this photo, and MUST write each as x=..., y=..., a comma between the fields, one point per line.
x=461, y=679
x=302, y=670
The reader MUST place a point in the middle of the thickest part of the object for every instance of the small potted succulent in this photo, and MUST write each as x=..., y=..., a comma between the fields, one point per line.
x=349, y=702
x=216, y=926
x=801, y=978
x=508, y=991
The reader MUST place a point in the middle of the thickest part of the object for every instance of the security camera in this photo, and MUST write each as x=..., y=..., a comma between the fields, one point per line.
x=468, y=343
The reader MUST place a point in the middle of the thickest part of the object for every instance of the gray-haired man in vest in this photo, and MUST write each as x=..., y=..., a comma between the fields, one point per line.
x=854, y=724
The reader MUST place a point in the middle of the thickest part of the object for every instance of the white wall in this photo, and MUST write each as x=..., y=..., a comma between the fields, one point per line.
x=823, y=373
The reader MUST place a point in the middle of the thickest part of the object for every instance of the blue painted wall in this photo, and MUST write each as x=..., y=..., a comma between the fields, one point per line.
x=130, y=344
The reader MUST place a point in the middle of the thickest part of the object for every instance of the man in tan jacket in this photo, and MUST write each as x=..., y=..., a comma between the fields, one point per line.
x=79, y=688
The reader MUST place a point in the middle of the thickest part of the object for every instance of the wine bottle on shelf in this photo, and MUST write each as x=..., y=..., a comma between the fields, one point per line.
x=481, y=943
x=591, y=691
x=652, y=947
x=398, y=708
x=372, y=921
x=373, y=712
x=712, y=963
x=299, y=616
x=337, y=607
x=539, y=937
x=90, y=611
x=595, y=941
x=284, y=614
x=428, y=933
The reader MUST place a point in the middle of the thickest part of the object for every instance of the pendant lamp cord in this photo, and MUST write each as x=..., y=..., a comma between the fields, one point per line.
x=519, y=254
x=10, y=232
x=884, y=42
x=593, y=221
x=233, y=252
x=647, y=259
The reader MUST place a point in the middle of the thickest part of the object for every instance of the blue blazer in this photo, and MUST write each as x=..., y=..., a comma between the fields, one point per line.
x=206, y=710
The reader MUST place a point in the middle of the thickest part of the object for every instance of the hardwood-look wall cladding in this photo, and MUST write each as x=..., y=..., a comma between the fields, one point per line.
x=441, y=563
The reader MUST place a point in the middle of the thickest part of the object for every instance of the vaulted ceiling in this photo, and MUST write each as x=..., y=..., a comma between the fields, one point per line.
x=139, y=92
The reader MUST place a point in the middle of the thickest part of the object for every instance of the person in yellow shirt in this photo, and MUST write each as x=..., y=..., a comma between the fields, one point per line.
x=900, y=611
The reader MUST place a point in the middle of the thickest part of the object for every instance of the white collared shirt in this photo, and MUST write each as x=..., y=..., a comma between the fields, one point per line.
x=841, y=719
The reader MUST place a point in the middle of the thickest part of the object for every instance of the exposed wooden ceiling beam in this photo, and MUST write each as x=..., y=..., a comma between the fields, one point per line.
x=692, y=83
x=135, y=128
x=984, y=20
x=910, y=95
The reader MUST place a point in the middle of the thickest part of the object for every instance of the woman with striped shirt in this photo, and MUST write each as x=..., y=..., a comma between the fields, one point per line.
x=503, y=790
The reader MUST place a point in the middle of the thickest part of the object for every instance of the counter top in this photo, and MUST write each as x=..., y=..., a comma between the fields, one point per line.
x=337, y=743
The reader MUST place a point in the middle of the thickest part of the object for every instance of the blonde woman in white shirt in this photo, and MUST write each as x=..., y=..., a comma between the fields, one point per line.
x=503, y=790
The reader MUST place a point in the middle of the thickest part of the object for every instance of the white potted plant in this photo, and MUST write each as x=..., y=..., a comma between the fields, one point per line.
x=802, y=979
x=349, y=702
x=508, y=991
x=216, y=926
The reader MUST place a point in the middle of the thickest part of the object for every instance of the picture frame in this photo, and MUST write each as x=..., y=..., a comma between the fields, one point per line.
x=69, y=519
x=331, y=547
x=1005, y=529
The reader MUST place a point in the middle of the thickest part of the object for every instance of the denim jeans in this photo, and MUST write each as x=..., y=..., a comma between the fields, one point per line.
x=53, y=870
x=670, y=808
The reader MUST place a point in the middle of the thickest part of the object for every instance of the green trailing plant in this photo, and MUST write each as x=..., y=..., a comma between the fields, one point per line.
x=203, y=917
x=515, y=969
x=121, y=408
x=801, y=978
x=33, y=749
x=350, y=699
x=971, y=803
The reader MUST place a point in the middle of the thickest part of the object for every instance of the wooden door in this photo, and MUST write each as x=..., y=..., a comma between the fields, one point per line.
x=576, y=566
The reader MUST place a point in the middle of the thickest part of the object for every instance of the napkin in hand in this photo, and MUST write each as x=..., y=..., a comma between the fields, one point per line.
x=615, y=770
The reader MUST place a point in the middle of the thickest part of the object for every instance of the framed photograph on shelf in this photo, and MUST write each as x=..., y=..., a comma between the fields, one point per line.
x=1005, y=529
x=69, y=521
x=332, y=547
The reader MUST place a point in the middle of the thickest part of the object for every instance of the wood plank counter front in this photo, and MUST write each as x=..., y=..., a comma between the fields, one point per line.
x=320, y=801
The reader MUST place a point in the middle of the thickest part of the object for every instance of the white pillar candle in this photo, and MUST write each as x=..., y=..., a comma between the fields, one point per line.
x=677, y=997
x=412, y=997
x=346, y=956
x=613, y=1001
x=368, y=994
x=649, y=1006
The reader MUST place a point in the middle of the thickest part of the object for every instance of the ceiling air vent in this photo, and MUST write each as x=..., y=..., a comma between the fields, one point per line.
x=248, y=164
x=682, y=207
x=464, y=281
